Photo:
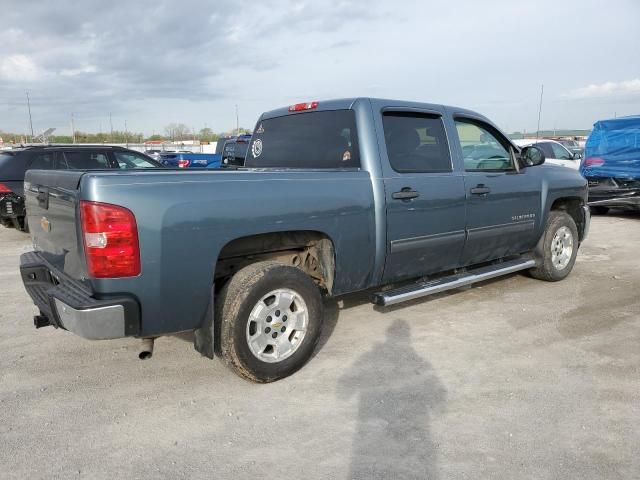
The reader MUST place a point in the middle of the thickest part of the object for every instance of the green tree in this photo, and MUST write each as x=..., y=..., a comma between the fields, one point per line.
x=207, y=135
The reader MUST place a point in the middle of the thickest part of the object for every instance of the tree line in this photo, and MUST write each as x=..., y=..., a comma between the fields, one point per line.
x=174, y=132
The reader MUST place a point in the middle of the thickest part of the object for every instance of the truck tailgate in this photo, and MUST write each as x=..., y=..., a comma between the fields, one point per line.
x=51, y=199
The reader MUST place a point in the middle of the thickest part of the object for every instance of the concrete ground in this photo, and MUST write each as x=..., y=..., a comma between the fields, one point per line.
x=515, y=378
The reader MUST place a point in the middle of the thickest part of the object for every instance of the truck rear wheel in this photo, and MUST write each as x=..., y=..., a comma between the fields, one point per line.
x=557, y=248
x=270, y=318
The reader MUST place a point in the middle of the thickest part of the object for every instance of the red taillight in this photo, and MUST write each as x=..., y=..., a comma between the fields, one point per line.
x=593, y=162
x=298, y=107
x=183, y=163
x=110, y=240
x=4, y=188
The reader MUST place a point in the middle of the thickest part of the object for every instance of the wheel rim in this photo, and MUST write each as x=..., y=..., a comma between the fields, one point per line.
x=561, y=248
x=277, y=325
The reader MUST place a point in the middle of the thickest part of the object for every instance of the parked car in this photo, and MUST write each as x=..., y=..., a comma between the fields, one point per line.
x=571, y=145
x=14, y=164
x=234, y=150
x=612, y=164
x=190, y=160
x=555, y=153
x=335, y=197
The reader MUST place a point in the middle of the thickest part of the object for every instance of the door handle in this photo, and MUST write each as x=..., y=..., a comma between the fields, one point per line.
x=480, y=190
x=405, y=194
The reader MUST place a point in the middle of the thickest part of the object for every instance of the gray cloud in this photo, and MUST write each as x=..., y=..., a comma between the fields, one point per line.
x=153, y=62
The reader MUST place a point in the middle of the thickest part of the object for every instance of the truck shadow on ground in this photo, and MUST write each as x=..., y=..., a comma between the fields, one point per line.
x=397, y=393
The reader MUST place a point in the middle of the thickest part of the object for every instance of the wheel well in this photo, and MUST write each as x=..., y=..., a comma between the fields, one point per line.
x=313, y=252
x=573, y=206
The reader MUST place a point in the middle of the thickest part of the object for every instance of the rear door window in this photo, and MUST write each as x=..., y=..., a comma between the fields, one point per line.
x=43, y=161
x=85, y=160
x=546, y=149
x=306, y=140
x=416, y=143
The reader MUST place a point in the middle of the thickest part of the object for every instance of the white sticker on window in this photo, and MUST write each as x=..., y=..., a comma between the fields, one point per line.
x=256, y=148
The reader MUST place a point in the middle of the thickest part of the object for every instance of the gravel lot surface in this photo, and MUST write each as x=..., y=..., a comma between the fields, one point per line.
x=511, y=379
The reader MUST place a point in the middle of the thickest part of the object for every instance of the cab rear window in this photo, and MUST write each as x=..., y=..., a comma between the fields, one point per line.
x=306, y=140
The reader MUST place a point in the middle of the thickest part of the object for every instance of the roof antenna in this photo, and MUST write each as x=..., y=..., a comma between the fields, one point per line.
x=29, y=108
x=539, y=111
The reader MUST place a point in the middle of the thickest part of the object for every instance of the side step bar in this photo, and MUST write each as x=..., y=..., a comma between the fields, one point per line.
x=424, y=288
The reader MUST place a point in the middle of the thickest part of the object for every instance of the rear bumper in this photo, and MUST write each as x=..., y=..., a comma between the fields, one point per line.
x=11, y=206
x=68, y=304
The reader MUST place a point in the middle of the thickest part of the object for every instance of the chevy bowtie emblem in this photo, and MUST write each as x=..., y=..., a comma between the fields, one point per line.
x=45, y=224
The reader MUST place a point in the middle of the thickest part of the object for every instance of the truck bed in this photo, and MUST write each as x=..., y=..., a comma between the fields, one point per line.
x=185, y=219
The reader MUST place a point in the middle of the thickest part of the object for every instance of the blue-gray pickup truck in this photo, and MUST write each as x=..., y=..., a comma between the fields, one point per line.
x=399, y=198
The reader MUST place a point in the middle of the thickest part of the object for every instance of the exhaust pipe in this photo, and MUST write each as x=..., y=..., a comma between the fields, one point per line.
x=146, y=349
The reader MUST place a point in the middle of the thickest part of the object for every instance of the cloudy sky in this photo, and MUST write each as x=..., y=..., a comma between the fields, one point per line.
x=155, y=62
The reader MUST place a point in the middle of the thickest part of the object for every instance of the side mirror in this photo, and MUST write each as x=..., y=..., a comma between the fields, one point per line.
x=531, y=156
x=577, y=156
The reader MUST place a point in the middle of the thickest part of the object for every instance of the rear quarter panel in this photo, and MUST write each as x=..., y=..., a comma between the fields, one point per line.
x=186, y=218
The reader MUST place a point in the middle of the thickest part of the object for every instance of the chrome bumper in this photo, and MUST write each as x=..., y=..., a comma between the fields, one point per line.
x=99, y=323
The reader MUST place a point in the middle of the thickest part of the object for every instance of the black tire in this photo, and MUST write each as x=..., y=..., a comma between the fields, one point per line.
x=599, y=210
x=546, y=270
x=235, y=303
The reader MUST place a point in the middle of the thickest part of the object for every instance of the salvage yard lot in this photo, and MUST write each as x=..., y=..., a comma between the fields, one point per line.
x=514, y=378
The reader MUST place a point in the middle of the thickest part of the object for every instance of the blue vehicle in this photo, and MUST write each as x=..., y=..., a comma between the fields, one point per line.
x=190, y=160
x=611, y=164
x=403, y=199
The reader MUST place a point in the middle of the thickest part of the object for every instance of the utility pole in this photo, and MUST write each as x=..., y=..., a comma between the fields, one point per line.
x=30, y=120
x=73, y=129
x=126, y=135
x=540, y=110
x=111, y=125
x=237, y=121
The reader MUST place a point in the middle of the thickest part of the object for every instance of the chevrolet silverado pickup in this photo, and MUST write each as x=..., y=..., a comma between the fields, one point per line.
x=399, y=198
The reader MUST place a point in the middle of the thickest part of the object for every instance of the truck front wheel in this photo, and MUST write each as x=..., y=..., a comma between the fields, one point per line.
x=558, y=248
x=270, y=318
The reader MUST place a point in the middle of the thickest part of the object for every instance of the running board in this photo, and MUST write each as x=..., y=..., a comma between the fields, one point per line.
x=424, y=288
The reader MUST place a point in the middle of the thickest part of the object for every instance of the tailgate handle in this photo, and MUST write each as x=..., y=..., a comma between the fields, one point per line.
x=43, y=198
